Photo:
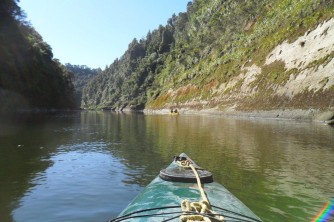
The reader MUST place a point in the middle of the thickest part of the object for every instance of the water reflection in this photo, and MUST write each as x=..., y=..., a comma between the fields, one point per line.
x=87, y=166
x=283, y=169
x=81, y=176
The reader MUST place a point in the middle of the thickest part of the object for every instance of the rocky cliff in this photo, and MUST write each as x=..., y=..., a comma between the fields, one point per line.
x=295, y=75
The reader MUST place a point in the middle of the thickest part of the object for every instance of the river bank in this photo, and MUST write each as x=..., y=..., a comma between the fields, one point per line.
x=294, y=114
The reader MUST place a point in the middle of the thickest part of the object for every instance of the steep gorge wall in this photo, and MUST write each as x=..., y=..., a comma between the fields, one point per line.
x=295, y=75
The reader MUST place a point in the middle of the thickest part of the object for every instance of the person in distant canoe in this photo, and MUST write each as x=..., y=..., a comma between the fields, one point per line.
x=173, y=111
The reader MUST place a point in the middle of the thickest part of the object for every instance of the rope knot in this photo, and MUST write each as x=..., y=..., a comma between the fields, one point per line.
x=196, y=211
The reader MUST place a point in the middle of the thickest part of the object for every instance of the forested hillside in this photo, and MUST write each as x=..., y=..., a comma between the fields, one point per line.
x=81, y=75
x=227, y=55
x=30, y=77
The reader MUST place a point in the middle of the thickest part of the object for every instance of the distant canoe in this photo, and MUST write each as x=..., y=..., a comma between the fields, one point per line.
x=174, y=112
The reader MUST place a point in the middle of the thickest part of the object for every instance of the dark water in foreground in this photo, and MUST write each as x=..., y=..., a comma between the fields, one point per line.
x=87, y=166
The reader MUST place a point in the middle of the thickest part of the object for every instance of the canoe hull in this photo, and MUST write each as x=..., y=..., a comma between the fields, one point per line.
x=164, y=193
x=160, y=193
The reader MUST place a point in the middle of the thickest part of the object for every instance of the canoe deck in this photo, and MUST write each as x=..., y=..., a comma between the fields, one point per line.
x=161, y=193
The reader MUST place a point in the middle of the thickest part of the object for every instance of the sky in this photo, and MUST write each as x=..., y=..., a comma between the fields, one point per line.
x=96, y=32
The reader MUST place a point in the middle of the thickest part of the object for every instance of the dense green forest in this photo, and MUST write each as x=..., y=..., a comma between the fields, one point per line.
x=200, y=50
x=81, y=75
x=30, y=78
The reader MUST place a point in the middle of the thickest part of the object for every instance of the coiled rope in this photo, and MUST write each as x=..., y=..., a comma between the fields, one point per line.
x=196, y=211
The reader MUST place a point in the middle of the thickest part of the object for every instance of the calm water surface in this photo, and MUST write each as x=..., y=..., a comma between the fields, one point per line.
x=87, y=166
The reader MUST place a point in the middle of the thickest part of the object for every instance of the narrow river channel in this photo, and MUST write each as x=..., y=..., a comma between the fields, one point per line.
x=87, y=166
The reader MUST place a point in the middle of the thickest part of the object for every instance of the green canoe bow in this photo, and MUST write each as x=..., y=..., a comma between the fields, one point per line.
x=161, y=200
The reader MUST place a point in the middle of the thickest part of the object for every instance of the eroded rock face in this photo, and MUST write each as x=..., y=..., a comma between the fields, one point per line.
x=300, y=54
x=311, y=58
x=325, y=116
x=309, y=68
x=306, y=49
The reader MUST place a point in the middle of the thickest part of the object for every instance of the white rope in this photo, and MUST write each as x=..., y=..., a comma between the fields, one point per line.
x=202, y=207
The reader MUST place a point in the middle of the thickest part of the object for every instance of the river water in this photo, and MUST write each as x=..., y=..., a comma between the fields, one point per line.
x=87, y=166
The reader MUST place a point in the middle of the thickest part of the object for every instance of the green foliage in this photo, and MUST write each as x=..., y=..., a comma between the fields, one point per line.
x=82, y=74
x=275, y=72
x=322, y=61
